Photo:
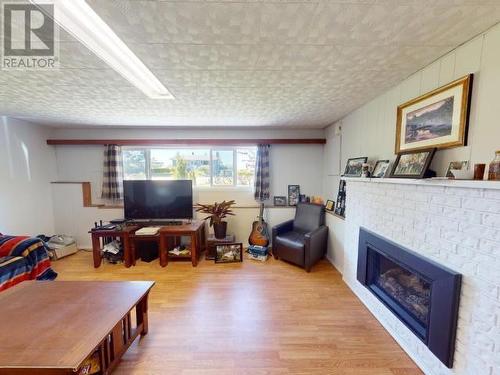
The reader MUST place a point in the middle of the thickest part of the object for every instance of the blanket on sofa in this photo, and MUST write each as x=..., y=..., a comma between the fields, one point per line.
x=23, y=258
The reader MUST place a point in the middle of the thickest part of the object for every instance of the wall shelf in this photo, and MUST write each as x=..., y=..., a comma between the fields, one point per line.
x=335, y=215
x=87, y=198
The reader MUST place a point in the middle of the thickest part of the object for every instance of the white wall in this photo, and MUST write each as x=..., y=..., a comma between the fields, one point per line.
x=73, y=219
x=290, y=164
x=370, y=130
x=331, y=178
x=27, y=166
x=335, y=249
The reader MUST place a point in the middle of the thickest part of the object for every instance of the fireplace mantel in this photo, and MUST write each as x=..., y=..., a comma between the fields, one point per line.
x=471, y=184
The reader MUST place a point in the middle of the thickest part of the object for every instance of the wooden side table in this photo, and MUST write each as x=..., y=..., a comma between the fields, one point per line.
x=213, y=242
x=195, y=230
x=135, y=238
x=122, y=232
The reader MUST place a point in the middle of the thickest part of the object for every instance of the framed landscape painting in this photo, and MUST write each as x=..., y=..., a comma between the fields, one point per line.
x=438, y=119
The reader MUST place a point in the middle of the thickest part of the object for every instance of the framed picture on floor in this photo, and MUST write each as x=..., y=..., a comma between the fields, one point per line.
x=229, y=253
x=437, y=119
x=412, y=164
x=354, y=167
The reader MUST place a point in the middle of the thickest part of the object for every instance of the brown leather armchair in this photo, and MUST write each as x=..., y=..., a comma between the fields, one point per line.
x=302, y=241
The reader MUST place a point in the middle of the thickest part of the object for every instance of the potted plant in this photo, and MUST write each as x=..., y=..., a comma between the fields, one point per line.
x=216, y=213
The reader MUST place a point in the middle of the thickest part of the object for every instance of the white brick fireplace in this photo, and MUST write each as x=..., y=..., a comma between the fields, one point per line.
x=454, y=223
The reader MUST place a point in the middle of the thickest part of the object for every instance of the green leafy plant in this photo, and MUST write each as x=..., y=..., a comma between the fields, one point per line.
x=216, y=212
x=180, y=168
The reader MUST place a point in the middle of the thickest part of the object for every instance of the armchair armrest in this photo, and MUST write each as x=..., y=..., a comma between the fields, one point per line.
x=317, y=232
x=315, y=245
x=287, y=226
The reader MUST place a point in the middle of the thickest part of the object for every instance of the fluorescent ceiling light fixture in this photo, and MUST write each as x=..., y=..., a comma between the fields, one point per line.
x=80, y=20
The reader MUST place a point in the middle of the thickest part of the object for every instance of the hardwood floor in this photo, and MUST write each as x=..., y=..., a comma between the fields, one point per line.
x=250, y=318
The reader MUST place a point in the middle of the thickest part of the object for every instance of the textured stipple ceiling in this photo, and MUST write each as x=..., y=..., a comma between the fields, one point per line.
x=246, y=63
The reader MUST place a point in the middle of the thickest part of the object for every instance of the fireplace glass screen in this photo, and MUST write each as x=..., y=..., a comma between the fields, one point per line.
x=422, y=294
x=403, y=291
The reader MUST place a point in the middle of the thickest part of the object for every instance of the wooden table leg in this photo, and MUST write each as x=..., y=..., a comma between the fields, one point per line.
x=198, y=241
x=126, y=251
x=96, y=250
x=203, y=239
x=142, y=314
x=194, y=249
x=103, y=356
x=133, y=257
x=117, y=339
x=163, y=250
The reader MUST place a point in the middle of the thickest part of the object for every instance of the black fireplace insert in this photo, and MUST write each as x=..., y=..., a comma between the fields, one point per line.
x=421, y=293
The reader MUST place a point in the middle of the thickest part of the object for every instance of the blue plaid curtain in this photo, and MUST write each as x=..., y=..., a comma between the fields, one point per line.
x=262, y=178
x=112, y=178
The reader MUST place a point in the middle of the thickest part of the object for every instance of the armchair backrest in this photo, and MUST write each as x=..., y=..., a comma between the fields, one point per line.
x=308, y=216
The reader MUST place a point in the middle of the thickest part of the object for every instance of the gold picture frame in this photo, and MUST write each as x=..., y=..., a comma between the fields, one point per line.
x=446, y=120
x=330, y=205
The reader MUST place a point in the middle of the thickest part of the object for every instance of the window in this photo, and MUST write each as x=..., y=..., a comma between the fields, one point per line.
x=222, y=167
x=245, y=166
x=181, y=164
x=205, y=166
x=134, y=164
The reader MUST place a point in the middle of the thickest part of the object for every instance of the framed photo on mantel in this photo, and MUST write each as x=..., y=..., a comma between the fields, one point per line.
x=354, y=166
x=412, y=164
x=438, y=119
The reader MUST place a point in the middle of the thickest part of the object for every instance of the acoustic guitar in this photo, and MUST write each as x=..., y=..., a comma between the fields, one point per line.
x=259, y=235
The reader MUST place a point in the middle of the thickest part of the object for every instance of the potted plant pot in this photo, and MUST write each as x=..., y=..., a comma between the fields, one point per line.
x=216, y=213
x=220, y=230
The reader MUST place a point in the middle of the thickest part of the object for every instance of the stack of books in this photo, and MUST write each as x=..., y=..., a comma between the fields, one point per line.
x=258, y=252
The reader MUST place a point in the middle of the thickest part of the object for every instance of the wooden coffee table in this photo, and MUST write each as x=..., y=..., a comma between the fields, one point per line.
x=53, y=327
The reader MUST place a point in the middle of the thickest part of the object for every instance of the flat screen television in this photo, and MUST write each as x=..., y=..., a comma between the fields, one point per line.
x=145, y=199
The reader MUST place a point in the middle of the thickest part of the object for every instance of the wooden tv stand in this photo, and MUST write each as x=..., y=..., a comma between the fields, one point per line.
x=166, y=236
